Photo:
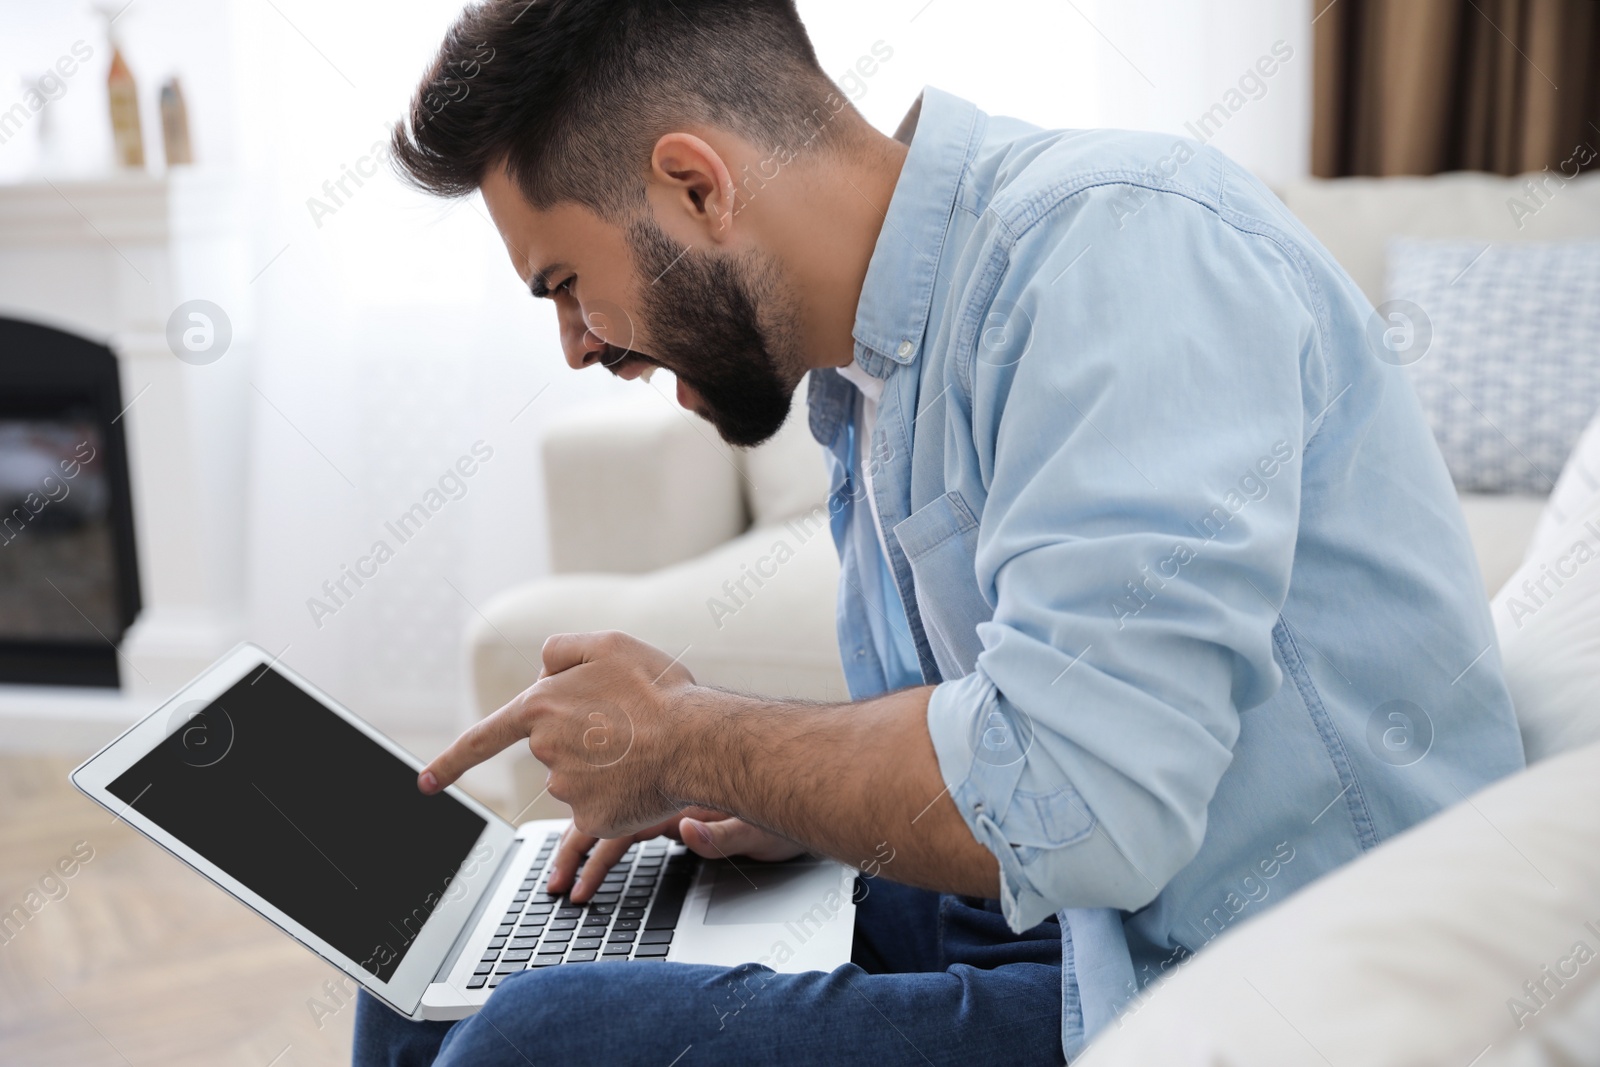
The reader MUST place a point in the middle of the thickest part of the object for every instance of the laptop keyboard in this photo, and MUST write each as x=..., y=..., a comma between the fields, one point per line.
x=631, y=916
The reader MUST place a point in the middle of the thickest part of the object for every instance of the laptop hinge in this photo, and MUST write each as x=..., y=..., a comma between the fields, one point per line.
x=471, y=924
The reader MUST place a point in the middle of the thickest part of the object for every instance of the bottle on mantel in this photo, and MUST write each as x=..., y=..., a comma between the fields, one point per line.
x=124, y=97
x=175, y=124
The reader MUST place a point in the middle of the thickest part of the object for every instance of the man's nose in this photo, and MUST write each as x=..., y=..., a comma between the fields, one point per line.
x=581, y=345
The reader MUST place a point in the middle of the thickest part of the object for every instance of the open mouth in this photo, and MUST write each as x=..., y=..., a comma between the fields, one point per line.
x=628, y=364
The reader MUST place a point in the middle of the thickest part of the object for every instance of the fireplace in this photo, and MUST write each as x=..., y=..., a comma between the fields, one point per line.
x=69, y=581
x=107, y=261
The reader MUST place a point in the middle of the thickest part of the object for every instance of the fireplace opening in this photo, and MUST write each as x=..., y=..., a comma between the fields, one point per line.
x=69, y=581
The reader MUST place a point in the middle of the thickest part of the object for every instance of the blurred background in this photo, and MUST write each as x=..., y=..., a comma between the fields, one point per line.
x=261, y=354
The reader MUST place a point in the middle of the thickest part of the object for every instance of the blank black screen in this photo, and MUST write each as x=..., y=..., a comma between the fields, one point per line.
x=307, y=811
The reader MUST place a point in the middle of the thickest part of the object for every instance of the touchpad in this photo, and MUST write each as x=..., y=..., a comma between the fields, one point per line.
x=756, y=892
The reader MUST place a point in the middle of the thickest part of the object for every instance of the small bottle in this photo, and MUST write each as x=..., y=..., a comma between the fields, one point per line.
x=175, y=124
x=125, y=129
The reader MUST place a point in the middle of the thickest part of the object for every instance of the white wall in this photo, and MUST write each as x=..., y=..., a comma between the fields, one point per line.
x=391, y=334
x=1136, y=64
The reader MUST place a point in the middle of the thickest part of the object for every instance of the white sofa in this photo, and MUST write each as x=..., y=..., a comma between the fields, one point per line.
x=650, y=514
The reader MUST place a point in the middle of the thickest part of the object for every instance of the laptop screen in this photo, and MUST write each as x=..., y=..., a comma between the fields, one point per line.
x=307, y=811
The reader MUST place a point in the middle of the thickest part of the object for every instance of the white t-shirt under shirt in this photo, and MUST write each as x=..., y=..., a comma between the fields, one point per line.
x=871, y=390
x=891, y=629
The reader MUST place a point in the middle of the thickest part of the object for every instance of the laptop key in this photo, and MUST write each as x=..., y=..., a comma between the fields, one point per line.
x=586, y=943
x=546, y=959
x=486, y=967
x=581, y=957
x=552, y=936
x=617, y=950
x=604, y=897
x=509, y=968
x=496, y=979
x=626, y=924
x=564, y=924
x=596, y=920
x=669, y=901
x=630, y=913
x=498, y=943
x=656, y=937
x=476, y=982
x=620, y=936
x=504, y=930
x=646, y=951
x=524, y=942
x=568, y=912
x=521, y=955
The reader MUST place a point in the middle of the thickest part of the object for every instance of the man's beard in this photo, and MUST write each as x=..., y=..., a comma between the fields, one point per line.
x=705, y=326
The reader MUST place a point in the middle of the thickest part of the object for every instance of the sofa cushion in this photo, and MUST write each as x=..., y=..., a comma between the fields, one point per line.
x=1547, y=616
x=1511, y=372
x=1576, y=491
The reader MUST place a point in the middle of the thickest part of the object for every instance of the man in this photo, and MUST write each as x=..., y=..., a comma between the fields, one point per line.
x=1156, y=600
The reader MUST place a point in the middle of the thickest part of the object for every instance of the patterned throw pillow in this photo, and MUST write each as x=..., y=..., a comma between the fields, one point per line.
x=1502, y=342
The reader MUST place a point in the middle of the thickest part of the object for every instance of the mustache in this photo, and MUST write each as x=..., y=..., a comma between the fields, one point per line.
x=612, y=357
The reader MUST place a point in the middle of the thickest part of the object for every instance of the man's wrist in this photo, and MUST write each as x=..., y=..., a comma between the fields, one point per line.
x=703, y=746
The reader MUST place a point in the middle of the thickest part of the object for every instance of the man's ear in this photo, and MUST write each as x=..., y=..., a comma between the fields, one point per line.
x=696, y=182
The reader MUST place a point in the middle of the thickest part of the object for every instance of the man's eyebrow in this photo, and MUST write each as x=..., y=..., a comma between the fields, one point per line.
x=539, y=280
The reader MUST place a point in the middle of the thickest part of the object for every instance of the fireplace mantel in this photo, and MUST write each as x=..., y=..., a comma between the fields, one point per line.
x=111, y=259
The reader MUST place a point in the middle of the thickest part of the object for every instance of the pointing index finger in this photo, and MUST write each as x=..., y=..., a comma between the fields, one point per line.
x=487, y=738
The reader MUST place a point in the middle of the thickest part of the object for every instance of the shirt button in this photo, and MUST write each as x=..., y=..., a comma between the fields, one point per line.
x=861, y=653
x=904, y=349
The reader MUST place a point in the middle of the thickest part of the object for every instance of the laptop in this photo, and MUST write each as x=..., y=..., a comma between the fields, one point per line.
x=312, y=818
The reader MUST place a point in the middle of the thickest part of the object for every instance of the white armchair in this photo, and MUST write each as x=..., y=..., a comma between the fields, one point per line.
x=720, y=556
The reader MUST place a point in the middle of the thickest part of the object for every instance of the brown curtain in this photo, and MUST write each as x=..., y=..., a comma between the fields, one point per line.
x=1423, y=86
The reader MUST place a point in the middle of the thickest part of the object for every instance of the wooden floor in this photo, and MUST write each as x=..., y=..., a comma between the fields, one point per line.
x=140, y=962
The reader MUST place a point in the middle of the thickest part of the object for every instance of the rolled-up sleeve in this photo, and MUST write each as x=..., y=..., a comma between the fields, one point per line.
x=1139, y=423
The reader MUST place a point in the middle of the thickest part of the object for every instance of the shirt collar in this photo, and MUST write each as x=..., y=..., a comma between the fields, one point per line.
x=897, y=294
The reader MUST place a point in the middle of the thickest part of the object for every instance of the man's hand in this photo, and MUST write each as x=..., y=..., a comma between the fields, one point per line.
x=631, y=742
x=707, y=833
x=602, y=718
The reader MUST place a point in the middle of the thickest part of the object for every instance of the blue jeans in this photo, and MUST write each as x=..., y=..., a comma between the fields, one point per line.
x=934, y=979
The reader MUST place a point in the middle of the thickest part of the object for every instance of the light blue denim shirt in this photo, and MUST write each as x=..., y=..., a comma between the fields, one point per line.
x=1176, y=546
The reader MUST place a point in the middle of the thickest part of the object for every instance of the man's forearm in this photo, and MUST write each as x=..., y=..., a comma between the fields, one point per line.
x=856, y=782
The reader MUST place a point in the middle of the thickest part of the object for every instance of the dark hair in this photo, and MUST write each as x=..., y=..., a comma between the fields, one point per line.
x=572, y=94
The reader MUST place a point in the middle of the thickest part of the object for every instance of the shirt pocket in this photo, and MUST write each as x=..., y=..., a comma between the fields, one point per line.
x=940, y=541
